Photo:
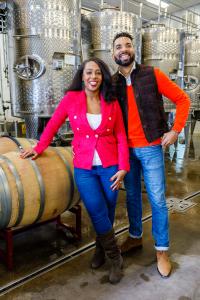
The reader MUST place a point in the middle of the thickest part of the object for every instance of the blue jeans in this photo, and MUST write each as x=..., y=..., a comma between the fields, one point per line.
x=97, y=196
x=148, y=161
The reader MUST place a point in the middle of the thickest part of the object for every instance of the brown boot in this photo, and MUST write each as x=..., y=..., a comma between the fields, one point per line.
x=112, y=251
x=98, y=258
x=164, y=266
x=131, y=244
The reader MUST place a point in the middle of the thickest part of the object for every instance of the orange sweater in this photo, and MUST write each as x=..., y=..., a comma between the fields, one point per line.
x=166, y=87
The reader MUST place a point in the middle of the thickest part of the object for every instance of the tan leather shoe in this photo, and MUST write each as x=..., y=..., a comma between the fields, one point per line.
x=164, y=266
x=130, y=244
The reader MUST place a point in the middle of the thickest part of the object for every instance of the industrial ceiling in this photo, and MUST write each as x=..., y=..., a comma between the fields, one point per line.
x=149, y=10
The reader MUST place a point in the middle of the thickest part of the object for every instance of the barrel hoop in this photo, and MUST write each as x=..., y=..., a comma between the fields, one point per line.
x=32, y=142
x=42, y=189
x=67, y=149
x=5, y=201
x=71, y=179
x=14, y=140
x=19, y=188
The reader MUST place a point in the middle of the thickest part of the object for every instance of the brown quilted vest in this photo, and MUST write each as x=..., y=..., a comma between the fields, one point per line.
x=148, y=99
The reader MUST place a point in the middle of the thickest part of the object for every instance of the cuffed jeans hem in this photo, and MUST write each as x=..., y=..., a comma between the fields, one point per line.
x=161, y=248
x=135, y=236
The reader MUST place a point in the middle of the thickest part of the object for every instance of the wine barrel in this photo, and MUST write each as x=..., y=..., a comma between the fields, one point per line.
x=36, y=190
x=8, y=143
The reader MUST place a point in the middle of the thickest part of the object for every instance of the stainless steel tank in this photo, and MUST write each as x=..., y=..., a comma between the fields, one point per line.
x=105, y=25
x=161, y=49
x=44, y=49
x=192, y=70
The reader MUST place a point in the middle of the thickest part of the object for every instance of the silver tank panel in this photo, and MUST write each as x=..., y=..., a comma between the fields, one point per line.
x=105, y=25
x=192, y=71
x=161, y=49
x=44, y=50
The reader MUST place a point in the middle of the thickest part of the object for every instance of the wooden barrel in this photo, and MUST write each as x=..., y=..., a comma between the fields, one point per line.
x=36, y=190
x=8, y=144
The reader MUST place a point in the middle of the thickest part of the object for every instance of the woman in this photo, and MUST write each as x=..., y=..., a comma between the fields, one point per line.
x=100, y=153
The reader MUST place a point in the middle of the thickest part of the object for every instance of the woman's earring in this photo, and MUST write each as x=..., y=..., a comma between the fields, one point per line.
x=83, y=84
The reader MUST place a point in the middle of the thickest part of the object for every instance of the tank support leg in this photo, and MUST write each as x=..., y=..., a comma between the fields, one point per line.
x=77, y=211
x=9, y=249
x=77, y=230
x=7, y=254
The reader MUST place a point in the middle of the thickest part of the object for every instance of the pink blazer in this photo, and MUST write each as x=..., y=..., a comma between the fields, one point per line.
x=109, y=139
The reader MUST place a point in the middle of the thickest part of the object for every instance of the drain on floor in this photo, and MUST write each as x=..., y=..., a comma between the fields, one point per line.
x=179, y=205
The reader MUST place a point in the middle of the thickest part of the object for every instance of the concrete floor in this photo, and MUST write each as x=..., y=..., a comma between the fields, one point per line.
x=74, y=278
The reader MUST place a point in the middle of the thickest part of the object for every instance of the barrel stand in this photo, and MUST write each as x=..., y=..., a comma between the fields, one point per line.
x=7, y=234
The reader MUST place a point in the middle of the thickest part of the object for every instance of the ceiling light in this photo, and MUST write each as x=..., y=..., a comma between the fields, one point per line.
x=156, y=2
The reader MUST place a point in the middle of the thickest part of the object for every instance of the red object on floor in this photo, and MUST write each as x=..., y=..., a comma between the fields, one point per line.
x=8, y=234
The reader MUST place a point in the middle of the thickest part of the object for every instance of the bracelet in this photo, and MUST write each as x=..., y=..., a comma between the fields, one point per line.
x=177, y=132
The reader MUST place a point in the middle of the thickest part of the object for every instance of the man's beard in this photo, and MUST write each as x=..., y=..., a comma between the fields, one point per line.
x=124, y=63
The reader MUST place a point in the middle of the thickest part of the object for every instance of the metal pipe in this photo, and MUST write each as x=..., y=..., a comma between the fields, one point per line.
x=165, y=13
x=121, y=6
x=172, y=17
x=169, y=21
x=140, y=12
x=183, y=8
x=159, y=11
x=186, y=20
x=182, y=59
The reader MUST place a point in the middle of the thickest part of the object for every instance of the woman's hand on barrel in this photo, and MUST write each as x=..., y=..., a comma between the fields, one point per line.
x=117, y=179
x=29, y=153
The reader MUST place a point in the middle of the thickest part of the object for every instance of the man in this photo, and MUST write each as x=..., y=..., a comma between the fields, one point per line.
x=139, y=90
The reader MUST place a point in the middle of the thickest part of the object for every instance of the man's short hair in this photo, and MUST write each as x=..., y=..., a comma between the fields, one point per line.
x=122, y=34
